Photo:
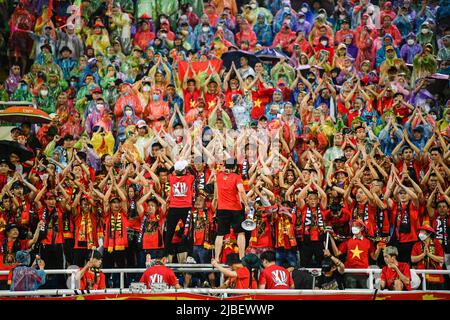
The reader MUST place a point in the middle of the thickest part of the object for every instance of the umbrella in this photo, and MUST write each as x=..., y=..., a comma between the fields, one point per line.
x=7, y=147
x=269, y=54
x=235, y=55
x=437, y=83
x=24, y=114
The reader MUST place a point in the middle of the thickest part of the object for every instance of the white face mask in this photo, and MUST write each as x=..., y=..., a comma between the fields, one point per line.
x=44, y=93
x=433, y=116
x=205, y=29
x=324, y=43
x=253, y=6
x=301, y=20
x=304, y=10
x=146, y=88
x=356, y=230
x=128, y=113
x=425, y=31
x=422, y=236
x=410, y=42
x=100, y=107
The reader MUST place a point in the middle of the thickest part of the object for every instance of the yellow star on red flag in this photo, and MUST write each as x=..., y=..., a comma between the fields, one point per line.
x=257, y=103
x=356, y=252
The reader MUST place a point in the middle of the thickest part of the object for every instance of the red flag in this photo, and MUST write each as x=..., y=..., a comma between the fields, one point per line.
x=198, y=67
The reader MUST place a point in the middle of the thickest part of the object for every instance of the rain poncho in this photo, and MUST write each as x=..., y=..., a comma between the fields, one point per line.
x=381, y=53
x=263, y=31
x=12, y=81
x=408, y=52
x=279, y=19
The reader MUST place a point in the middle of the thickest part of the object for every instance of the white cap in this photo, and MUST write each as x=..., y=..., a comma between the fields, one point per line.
x=190, y=260
x=141, y=124
x=180, y=165
x=70, y=26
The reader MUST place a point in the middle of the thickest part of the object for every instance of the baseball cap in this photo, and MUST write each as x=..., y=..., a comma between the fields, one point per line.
x=141, y=124
x=180, y=165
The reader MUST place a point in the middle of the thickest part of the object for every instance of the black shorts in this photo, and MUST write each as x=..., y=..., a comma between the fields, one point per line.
x=225, y=218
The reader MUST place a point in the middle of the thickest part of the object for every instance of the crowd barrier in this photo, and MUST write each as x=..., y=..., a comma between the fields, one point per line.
x=197, y=268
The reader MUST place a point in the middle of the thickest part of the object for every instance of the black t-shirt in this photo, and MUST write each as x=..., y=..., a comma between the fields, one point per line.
x=335, y=282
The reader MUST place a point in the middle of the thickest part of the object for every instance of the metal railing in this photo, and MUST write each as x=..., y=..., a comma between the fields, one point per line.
x=197, y=268
x=201, y=291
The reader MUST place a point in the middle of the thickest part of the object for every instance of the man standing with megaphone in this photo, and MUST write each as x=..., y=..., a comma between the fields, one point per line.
x=229, y=194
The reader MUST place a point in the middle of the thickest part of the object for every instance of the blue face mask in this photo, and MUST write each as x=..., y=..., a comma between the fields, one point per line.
x=24, y=87
x=155, y=97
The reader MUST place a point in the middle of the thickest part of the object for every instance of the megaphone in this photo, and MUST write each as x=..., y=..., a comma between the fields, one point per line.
x=249, y=224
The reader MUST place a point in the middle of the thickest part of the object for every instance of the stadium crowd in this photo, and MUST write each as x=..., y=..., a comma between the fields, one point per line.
x=324, y=122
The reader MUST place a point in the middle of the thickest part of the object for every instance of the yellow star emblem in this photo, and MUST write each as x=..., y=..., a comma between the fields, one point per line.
x=257, y=103
x=211, y=105
x=356, y=252
x=192, y=103
x=231, y=104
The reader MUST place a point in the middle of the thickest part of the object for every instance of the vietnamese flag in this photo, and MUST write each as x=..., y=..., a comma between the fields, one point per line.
x=198, y=67
x=260, y=99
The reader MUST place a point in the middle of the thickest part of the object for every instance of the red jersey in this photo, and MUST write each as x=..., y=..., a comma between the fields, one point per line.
x=228, y=195
x=181, y=191
x=261, y=236
x=276, y=277
x=190, y=99
x=159, y=274
x=92, y=280
x=357, y=252
x=390, y=275
x=24, y=210
x=242, y=281
x=340, y=224
x=203, y=227
x=53, y=225
x=366, y=213
x=436, y=249
x=407, y=226
x=210, y=100
x=152, y=237
x=312, y=225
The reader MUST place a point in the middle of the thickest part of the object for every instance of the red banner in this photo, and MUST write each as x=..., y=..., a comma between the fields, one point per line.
x=188, y=296
x=198, y=67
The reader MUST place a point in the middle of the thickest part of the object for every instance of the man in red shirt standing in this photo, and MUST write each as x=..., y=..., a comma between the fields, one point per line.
x=159, y=275
x=180, y=201
x=357, y=250
x=229, y=192
x=406, y=216
x=394, y=275
x=273, y=276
